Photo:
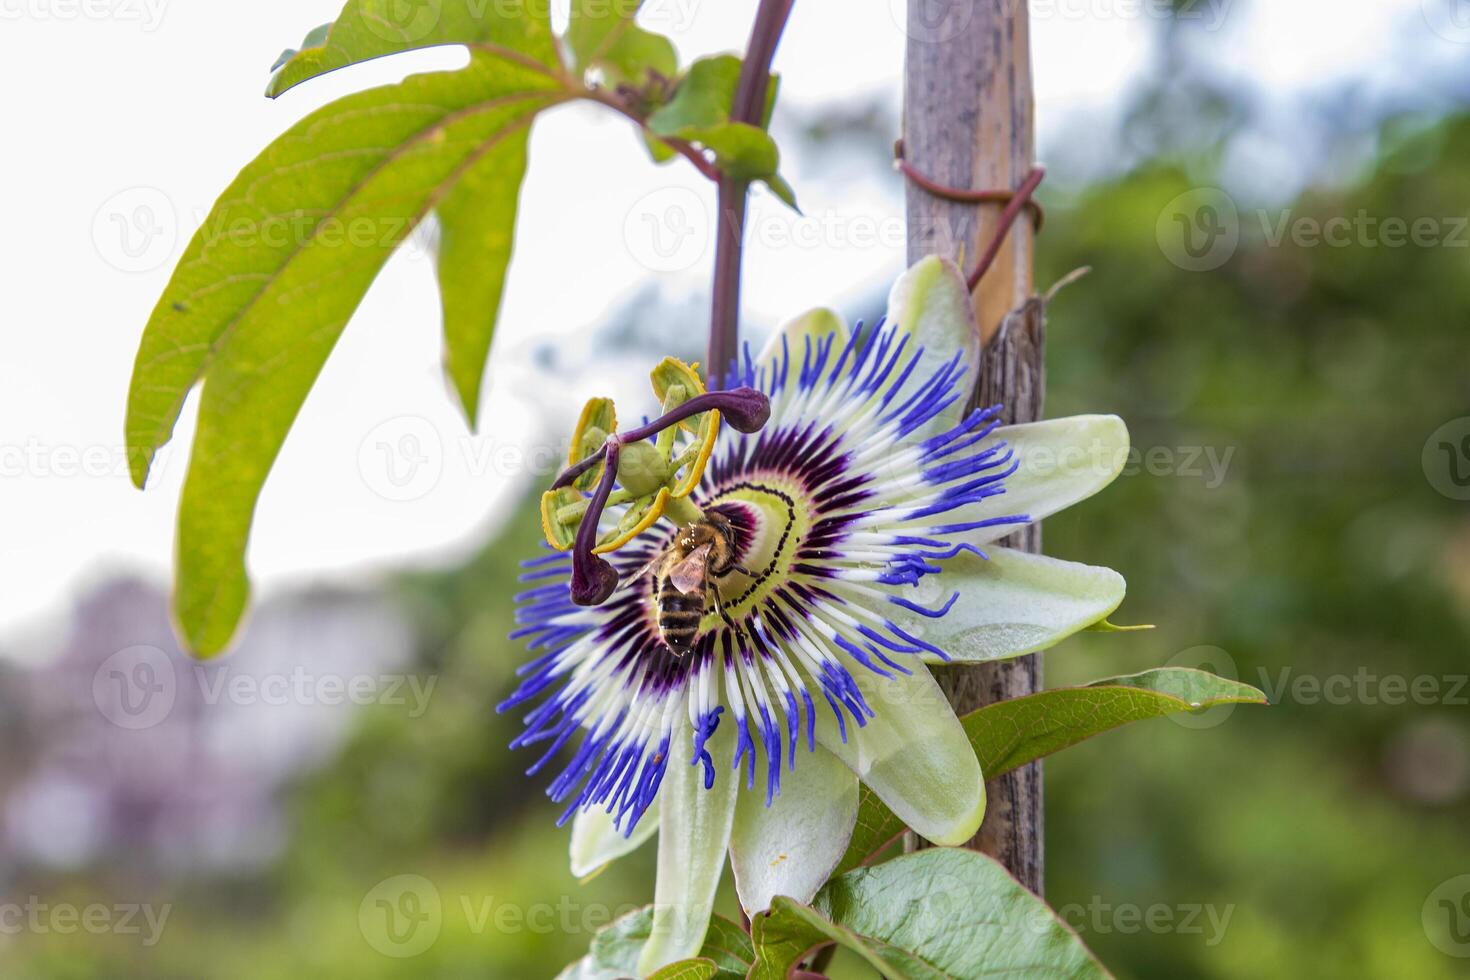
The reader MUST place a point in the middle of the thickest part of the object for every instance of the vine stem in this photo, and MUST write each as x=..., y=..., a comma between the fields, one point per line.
x=749, y=106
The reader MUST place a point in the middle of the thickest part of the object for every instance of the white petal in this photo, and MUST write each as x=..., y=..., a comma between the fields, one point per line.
x=790, y=847
x=1061, y=462
x=914, y=754
x=1013, y=604
x=932, y=303
x=693, y=836
x=596, y=842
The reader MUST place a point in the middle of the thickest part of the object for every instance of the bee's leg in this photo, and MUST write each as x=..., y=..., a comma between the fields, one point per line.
x=742, y=570
x=719, y=602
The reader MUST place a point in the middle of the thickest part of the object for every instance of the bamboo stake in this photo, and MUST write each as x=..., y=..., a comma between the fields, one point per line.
x=968, y=123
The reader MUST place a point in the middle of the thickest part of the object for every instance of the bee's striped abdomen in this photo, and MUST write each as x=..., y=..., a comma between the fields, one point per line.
x=679, y=614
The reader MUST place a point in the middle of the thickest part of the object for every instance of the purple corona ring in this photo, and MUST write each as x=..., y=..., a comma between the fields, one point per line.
x=865, y=516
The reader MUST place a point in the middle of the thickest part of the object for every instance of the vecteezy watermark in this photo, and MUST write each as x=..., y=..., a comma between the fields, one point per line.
x=41, y=918
x=402, y=459
x=136, y=230
x=663, y=16
x=1200, y=230
x=403, y=916
x=1213, y=660
x=403, y=21
x=1364, y=687
x=139, y=229
x=138, y=687
x=1446, y=458
x=1446, y=917
x=1101, y=918
x=1208, y=14
x=48, y=461
x=1450, y=19
x=1209, y=464
x=932, y=21
x=668, y=230
x=146, y=13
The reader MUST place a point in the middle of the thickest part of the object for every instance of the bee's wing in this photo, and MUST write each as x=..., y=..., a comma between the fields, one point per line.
x=688, y=576
x=645, y=570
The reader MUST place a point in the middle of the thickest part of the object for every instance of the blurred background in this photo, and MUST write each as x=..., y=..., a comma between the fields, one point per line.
x=1274, y=200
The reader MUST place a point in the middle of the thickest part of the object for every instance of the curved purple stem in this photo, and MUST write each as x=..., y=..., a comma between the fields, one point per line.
x=593, y=579
x=746, y=409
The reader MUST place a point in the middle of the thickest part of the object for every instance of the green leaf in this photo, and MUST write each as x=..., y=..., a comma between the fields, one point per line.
x=703, y=99
x=268, y=283
x=614, y=951
x=602, y=34
x=477, y=223
x=686, y=970
x=1012, y=733
x=316, y=37
x=700, y=113
x=940, y=914
x=729, y=947
x=368, y=29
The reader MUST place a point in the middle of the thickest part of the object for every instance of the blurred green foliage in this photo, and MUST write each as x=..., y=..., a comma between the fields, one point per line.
x=1310, y=833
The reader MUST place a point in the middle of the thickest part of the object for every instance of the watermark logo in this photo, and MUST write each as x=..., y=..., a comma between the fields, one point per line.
x=401, y=916
x=1199, y=230
x=1213, y=660
x=406, y=21
x=147, y=13
x=135, y=688
x=1209, y=15
x=1450, y=19
x=1446, y=459
x=1101, y=918
x=931, y=21
x=1446, y=917
x=402, y=459
x=42, y=918
x=136, y=230
x=668, y=230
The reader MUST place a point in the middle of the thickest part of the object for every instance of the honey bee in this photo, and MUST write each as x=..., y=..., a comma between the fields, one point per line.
x=702, y=551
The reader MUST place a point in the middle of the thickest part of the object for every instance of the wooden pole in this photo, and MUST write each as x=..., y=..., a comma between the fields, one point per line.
x=968, y=123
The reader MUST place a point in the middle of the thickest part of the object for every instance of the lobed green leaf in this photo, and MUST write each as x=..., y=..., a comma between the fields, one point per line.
x=369, y=29
x=272, y=277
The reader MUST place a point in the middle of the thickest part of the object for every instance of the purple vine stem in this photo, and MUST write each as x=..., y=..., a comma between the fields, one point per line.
x=749, y=107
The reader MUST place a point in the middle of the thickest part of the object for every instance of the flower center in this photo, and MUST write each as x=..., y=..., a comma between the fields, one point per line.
x=772, y=517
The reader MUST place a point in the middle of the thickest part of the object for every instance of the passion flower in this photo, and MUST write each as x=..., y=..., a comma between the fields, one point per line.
x=865, y=513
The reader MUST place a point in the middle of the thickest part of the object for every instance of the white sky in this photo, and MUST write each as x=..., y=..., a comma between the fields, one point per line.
x=124, y=119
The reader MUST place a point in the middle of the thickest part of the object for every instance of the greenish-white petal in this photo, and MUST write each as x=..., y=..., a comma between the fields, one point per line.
x=931, y=302
x=1059, y=462
x=914, y=754
x=790, y=847
x=693, y=835
x=1015, y=603
x=814, y=326
x=597, y=843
